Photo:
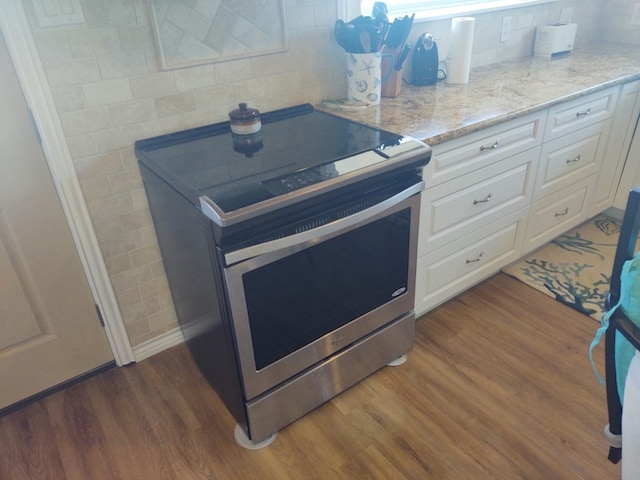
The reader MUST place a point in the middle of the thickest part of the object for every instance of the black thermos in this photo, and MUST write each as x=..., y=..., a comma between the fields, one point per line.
x=424, y=65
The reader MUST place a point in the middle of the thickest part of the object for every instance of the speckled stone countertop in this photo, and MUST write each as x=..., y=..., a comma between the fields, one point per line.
x=499, y=92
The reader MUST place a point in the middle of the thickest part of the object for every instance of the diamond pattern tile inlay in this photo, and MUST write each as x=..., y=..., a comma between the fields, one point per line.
x=199, y=31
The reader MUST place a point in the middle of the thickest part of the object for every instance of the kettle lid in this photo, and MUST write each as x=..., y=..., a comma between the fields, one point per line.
x=428, y=41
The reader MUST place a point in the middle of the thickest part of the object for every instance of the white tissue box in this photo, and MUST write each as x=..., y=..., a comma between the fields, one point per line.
x=554, y=39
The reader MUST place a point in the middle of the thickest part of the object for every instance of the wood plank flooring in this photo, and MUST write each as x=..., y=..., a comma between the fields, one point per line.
x=497, y=386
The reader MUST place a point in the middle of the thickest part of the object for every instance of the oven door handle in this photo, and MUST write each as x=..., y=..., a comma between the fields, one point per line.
x=323, y=231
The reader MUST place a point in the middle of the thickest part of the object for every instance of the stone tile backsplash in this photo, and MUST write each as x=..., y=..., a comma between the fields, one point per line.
x=109, y=91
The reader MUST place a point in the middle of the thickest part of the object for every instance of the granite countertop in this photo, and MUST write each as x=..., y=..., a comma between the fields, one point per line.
x=500, y=92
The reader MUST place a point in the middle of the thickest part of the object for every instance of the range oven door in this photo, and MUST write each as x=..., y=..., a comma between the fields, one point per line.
x=306, y=297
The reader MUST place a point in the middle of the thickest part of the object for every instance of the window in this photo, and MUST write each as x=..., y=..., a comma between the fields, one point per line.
x=435, y=9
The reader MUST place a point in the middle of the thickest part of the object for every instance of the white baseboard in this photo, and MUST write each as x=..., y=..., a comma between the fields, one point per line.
x=158, y=344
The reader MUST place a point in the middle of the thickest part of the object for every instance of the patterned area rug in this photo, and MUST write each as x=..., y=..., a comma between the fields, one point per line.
x=575, y=268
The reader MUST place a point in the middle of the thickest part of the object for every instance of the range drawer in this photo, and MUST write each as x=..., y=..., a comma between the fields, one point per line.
x=567, y=159
x=576, y=114
x=558, y=212
x=468, y=260
x=482, y=148
x=461, y=206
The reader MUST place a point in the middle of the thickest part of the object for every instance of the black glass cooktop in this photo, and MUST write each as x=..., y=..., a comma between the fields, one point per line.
x=296, y=147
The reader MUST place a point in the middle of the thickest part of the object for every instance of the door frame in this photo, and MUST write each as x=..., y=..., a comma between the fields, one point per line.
x=15, y=29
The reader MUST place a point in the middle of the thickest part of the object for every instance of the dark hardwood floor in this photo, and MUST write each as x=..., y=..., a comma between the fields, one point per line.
x=497, y=386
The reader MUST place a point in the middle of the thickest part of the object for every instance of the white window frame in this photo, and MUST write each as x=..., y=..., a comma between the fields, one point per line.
x=440, y=9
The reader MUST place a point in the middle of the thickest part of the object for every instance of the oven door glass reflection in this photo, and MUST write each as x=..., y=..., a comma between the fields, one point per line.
x=300, y=298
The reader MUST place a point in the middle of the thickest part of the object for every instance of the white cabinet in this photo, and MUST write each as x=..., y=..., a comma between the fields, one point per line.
x=624, y=150
x=576, y=114
x=568, y=159
x=573, y=152
x=478, y=150
x=633, y=158
x=462, y=205
x=465, y=261
x=558, y=212
x=474, y=209
x=494, y=195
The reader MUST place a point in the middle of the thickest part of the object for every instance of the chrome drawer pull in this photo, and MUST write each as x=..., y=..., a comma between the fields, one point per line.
x=582, y=114
x=492, y=147
x=484, y=200
x=563, y=213
x=574, y=159
x=475, y=260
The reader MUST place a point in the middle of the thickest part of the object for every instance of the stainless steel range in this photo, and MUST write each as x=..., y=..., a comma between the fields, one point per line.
x=290, y=255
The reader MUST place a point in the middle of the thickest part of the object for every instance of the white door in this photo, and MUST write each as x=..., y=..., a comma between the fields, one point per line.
x=49, y=328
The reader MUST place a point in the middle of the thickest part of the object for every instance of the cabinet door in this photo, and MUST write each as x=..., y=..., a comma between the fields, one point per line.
x=476, y=151
x=624, y=149
x=556, y=213
x=576, y=114
x=568, y=159
x=465, y=261
x=463, y=205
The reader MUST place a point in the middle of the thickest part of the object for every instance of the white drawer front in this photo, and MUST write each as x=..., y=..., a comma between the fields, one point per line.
x=466, y=261
x=570, y=158
x=479, y=149
x=576, y=114
x=557, y=213
x=463, y=205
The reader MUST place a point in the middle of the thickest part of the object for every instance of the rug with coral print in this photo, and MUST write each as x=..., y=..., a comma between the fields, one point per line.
x=575, y=268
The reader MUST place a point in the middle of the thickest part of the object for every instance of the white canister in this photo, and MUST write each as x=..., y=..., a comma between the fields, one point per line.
x=364, y=76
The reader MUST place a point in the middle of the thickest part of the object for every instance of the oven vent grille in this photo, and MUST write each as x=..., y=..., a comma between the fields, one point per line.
x=310, y=223
x=328, y=217
x=313, y=214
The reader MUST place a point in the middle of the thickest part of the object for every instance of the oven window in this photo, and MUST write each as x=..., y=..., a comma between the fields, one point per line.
x=298, y=299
